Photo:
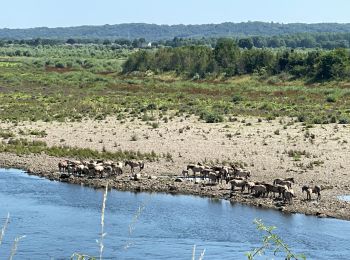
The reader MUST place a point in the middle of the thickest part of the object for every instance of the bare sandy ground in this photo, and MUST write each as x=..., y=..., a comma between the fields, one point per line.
x=263, y=147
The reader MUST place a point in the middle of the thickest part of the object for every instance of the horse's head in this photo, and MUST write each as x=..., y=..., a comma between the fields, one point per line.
x=304, y=188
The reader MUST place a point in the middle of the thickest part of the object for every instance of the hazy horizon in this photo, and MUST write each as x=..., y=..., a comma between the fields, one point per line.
x=19, y=14
x=161, y=24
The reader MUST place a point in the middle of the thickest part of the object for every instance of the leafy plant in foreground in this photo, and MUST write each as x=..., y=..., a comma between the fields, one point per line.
x=272, y=241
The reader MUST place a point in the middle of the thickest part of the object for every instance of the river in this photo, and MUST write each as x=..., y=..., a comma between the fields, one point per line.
x=59, y=219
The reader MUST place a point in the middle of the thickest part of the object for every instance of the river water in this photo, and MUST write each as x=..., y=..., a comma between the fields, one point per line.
x=59, y=219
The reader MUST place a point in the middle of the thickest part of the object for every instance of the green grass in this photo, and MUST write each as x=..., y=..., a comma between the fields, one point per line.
x=5, y=134
x=23, y=146
x=90, y=86
x=39, y=133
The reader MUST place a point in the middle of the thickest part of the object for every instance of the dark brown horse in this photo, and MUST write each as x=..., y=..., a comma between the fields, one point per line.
x=316, y=189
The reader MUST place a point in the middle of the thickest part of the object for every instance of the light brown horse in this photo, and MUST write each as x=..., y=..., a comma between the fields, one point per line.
x=238, y=183
x=63, y=166
x=196, y=168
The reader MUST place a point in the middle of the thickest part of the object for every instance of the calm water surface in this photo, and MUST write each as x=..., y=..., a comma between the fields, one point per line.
x=344, y=198
x=59, y=219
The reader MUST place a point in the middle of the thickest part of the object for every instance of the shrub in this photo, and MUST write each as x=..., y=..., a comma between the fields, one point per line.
x=59, y=65
x=317, y=120
x=333, y=119
x=155, y=125
x=343, y=120
x=301, y=118
x=237, y=98
x=40, y=133
x=134, y=138
x=331, y=99
x=152, y=106
x=211, y=117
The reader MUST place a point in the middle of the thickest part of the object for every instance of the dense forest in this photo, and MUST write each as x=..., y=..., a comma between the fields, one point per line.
x=228, y=59
x=153, y=32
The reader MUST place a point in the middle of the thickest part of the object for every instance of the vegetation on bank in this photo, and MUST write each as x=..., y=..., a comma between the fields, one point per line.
x=75, y=82
x=228, y=58
x=23, y=146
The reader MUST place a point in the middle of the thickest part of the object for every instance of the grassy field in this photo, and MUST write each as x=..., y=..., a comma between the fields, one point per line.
x=72, y=83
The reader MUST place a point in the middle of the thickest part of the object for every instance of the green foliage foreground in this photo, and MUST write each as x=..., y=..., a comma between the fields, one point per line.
x=272, y=242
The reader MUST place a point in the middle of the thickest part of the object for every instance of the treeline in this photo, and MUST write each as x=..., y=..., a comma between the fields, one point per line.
x=319, y=40
x=116, y=44
x=154, y=32
x=228, y=59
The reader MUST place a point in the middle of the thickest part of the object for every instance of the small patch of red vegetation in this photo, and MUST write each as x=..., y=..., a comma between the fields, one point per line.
x=58, y=70
x=105, y=72
x=128, y=87
x=204, y=91
x=287, y=93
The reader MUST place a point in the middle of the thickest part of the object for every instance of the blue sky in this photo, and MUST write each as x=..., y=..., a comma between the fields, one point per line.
x=56, y=13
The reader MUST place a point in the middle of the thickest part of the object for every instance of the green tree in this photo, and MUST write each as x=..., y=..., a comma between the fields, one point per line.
x=333, y=65
x=246, y=43
x=226, y=55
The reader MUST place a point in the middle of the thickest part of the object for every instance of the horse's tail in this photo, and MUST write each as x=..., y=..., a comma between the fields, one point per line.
x=142, y=165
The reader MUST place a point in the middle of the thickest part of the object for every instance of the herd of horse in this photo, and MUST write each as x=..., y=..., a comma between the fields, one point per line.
x=233, y=175
x=93, y=169
x=238, y=177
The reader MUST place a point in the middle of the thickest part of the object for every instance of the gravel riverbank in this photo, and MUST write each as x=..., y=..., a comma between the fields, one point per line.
x=46, y=166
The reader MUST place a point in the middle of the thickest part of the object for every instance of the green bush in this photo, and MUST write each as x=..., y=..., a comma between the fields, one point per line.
x=344, y=120
x=237, y=98
x=211, y=117
x=331, y=99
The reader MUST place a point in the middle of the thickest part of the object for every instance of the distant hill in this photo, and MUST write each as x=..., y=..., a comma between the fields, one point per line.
x=152, y=32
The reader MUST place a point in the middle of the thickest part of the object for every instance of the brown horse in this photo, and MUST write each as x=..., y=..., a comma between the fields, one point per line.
x=133, y=165
x=63, y=166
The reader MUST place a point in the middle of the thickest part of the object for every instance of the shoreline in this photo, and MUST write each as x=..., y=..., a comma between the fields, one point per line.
x=329, y=207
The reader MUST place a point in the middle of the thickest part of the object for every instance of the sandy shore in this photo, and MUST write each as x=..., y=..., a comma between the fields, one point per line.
x=266, y=148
